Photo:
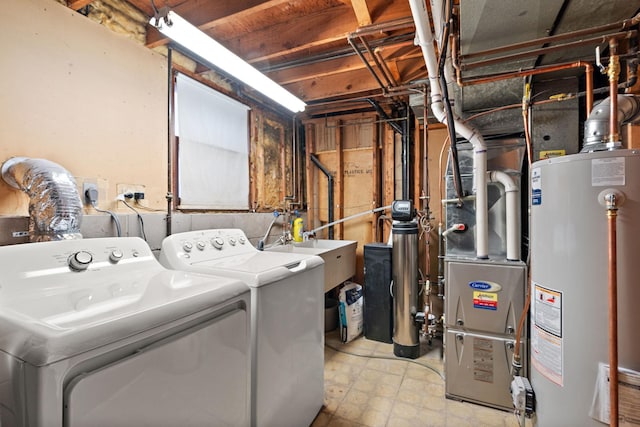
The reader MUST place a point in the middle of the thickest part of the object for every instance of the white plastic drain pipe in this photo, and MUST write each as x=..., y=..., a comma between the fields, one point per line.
x=511, y=193
x=424, y=38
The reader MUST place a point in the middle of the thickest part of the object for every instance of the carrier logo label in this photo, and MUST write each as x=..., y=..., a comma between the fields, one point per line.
x=485, y=286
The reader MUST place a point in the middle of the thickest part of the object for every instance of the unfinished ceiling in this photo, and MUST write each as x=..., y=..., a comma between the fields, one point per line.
x=328, y=50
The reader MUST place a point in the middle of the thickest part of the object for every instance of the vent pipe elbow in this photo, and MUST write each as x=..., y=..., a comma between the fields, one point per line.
x=512, y=195
x=596, y=127
x=55, y=207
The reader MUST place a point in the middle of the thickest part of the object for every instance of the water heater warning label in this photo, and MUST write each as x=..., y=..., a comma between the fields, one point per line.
x=609, y=171
x=546, y=334
x=536, y=187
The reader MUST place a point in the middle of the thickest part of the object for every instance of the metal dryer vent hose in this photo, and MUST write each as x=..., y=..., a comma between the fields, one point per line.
x=55, y=207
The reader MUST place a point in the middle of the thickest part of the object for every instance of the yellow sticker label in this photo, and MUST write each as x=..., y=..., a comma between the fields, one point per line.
x=547, y=154
x=485, y=300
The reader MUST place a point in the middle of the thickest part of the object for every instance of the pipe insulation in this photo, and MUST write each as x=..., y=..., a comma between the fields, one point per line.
x=512, y=193
x=55, y=207
x=424, y=38
x=596, y=127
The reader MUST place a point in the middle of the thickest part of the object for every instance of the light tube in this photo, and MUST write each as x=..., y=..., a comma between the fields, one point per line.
x=191, y=38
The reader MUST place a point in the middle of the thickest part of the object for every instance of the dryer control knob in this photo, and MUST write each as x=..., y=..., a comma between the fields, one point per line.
x=218, y=242
x=232, y=241
x=187, y=246
x=242, y=240
x=201, y=246
x=80, y=261
x=115, y=256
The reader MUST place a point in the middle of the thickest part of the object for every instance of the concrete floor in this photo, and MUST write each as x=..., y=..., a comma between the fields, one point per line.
x=370, y=387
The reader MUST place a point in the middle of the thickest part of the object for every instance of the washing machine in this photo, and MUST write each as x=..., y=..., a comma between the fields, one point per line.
x=95, y=332
x=287, y=303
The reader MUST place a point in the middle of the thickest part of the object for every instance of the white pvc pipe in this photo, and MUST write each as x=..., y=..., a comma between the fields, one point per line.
x=424, y=38
x=512, y=194
x=438, y=15
x=338, y=221
x=438, y=20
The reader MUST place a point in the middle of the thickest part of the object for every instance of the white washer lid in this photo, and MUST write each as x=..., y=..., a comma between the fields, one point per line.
x=49, y=313
x=259, y=268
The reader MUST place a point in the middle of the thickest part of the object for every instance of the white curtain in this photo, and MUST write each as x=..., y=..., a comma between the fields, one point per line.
x=213, y=153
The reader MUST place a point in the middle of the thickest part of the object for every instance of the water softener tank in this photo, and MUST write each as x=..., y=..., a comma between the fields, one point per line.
x=569, y=271
x=404, y=269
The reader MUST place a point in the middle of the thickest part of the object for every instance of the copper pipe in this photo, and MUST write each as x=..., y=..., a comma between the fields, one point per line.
x=375, y=60
x=588, y=69
x=383, y=66
x=612, y=214
x=544, y=50
x=613, y=71
x=588, y=73
x=455, y=55
x=618, y=26
x=511, y=106
x=383, y=27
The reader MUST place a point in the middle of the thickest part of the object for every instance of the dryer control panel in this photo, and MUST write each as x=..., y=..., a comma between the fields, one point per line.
x=205, y=245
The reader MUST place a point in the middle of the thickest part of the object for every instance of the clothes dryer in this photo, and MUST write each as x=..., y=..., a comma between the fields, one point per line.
x=287, y=300
x=95, y=332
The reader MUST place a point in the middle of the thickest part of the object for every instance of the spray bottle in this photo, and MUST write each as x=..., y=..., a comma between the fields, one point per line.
x=298, y=226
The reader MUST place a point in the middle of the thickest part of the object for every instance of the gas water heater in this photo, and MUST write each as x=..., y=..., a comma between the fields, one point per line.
x=569, y=267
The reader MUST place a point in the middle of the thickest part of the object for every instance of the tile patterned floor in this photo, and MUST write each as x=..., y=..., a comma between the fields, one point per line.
x=376, y=391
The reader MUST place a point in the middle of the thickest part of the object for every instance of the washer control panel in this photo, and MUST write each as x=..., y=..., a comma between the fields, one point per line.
x=201, y=245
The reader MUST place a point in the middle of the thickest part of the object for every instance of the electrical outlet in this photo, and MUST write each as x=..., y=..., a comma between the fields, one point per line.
x=85, y=188
x=133, y=189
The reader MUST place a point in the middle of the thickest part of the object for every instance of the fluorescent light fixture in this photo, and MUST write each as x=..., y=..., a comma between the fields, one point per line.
x=191, y=38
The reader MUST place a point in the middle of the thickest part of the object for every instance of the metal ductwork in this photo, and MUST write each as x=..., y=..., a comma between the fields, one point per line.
x=596, y=127
x=55, y=207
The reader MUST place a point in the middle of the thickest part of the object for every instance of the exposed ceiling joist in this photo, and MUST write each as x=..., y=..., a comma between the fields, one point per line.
x=362, y=12
x=206, y=15
x=345, y=84
x=304, y=45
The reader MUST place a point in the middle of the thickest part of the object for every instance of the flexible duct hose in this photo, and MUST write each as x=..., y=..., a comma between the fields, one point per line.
x=55, y=208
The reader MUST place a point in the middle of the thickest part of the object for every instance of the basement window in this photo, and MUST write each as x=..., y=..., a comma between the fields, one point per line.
x=212, y=131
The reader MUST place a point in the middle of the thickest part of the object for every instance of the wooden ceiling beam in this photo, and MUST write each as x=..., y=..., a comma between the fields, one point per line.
x=337, y=66
x=338, y=85
x=206, y=14
x=362, y=12
x=319, y=69
x=295, y=35
x=393, y=68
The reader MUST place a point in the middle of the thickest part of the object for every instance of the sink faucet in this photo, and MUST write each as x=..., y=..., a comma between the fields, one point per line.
x=261, y=242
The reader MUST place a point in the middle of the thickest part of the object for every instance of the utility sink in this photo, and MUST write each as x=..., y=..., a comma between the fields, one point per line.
x=339, y=257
